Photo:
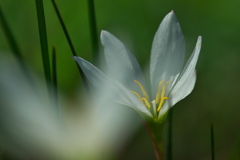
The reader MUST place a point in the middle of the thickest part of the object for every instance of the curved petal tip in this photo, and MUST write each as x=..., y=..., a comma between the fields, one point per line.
x=103, y=36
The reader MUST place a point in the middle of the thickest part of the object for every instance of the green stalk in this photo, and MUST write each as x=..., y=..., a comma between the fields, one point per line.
x=70, y=44
x=54, y=77
x=169, y=138
x=212, y=142
x=43, y=42
x=93, y=28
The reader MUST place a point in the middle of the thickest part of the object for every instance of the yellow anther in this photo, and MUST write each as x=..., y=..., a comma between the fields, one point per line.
x=161, y=103
x=164, y=89
x=146, y=102
x=142, y=89
x=139, y=97
x=158, y=92
x=162, y=98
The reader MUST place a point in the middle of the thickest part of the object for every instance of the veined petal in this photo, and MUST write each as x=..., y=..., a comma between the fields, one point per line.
x=185, y=89
x=168, y=52
x=185, y=83
x=122, y=64
x=118, y=92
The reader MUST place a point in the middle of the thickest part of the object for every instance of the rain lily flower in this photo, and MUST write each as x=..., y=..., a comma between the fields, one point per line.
x=170, y=81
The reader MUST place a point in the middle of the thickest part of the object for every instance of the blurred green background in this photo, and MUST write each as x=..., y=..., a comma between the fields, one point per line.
x=215, y=98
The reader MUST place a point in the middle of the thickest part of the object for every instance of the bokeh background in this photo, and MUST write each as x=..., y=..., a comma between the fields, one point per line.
x=215, y=98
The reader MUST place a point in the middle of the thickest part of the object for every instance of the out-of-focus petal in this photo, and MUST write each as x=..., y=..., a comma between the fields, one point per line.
x=122, y=64
x=168, y=51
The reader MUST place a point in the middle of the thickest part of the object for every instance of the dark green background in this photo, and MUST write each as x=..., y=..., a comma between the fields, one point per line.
x=215, y=98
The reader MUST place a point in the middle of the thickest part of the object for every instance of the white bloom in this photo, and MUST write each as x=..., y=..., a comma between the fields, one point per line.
x=170, y=82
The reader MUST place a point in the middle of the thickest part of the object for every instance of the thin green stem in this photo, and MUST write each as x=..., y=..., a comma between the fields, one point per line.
x=93, y=28
x=212, y=142
x=169, y=135
x=54, y=76
x=43, y=41
x=70, y=44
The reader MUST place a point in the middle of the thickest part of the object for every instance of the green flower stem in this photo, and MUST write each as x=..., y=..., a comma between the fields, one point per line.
x=43, y=42
x=212, y=142
x=169, y=134
x=54, y=76
x=154, y=129
x=93, y=28
x=70, y=43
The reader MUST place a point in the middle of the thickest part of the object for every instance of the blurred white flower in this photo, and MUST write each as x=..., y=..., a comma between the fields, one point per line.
x=170, y=82
x=32, y=127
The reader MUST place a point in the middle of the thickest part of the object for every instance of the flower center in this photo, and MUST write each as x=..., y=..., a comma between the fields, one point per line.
x=160, y=96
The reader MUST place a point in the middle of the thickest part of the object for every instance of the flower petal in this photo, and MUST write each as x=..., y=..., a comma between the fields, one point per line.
x=168, y=51
x=184, y=89
x=129, y=99
x=185, y=83
x=94, y=75
x=122, y=64
x=117, y=92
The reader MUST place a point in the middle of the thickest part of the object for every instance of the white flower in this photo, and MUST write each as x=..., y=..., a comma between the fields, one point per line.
x=170, y=82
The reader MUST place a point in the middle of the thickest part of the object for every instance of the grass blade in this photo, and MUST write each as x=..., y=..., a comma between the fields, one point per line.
x=54, y=76
x=43, y=41
x=70, y=44
x=64, y=28
x=169, y=135
x=13, y=45
x=212, y=142
x=9, y=35
x=93, y=28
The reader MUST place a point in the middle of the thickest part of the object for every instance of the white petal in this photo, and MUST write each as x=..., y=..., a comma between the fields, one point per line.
x=117, y=92
x=94, y=75
x=168, y=51
x=164, y=109
x=185, y=89
x=122, y=64
x=187, y=78
x=129, y=99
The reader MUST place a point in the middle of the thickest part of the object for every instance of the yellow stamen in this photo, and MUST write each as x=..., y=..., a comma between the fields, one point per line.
x=162, y=96
x=161, y=103
x=146, y=102
x=142, y=89
x=139, y=97
x=158, y=92
x=164, y=89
